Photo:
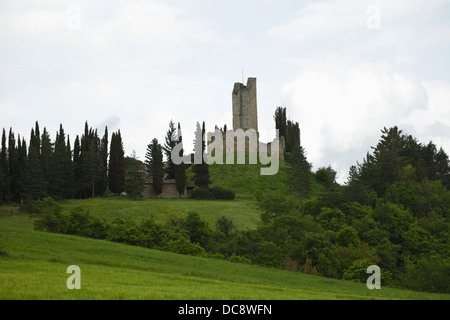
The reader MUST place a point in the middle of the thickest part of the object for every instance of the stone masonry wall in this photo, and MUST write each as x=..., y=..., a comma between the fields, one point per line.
x=245, y=114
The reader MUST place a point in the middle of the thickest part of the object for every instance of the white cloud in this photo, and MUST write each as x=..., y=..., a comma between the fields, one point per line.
x=9, y=111
x=342, y=110
x=351, y=81
x=433, y=122
x=405, y=26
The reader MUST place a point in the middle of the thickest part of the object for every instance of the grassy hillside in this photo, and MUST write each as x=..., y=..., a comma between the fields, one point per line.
x=242, y=212
x=33, y=266
x=245, y=180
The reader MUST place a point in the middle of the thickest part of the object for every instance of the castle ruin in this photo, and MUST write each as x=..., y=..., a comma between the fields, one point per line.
x=245, y=112
x=245, y=115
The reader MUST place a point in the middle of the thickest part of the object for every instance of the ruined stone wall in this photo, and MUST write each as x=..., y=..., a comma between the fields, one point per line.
x=245, y=114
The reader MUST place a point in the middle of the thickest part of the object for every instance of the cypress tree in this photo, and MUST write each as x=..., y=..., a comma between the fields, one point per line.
x=37, y=138
x=78, y=189
x=70, y=176
x=60, y=182
x=21, y=160
x=280, y=121
x=32, y=183
x=299, y=171
x=89, y=160
x=2, y=182
x=103, y=175
x=180, y=169
x=116, y=171
x=154, y=164
x=201, y=170
x=46, y=154
x=13, y=166
x=168, y=147
x=292, y=136
x=4, y=169
x=134, y=177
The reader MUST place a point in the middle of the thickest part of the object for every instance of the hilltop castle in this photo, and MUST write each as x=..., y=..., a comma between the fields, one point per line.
x=245, y=117
x=245, y=111
x=245, y=114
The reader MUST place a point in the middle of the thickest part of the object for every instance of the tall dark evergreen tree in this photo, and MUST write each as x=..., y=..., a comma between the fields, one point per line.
x=154, y=165
x=46, y=154
x=292, y=137
x=78, y=190
x=32, y=183
x=299, y=171
x=89, y=162
x=37, y=138
x=4, y=169
x=22, y=154
x=134, y=176
x=180, y=169
x=116, y=171
x=168, y=147
x=60, y=177
x=70, y=176
x=201, y=170
x=280, y=121
x=443, y=168
x=13, y=166
x=103, y=178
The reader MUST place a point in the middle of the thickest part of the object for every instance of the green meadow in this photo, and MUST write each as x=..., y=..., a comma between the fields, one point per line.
x=33, y=263
x=244, y=213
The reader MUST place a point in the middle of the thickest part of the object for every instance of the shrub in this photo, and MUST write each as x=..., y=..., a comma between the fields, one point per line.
x=183, y=245
x=125, y=231
x=197, y=228
x=82, y=223
x=239, y=259
x=152, y=233
x=269, y=255
x=49, y=216
x=357, y=272
x=202, y=194
x=220, y=193
x=41, y=206
x=274, y=205
x=225, y=225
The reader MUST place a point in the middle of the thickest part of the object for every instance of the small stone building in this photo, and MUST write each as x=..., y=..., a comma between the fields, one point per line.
x=169, y=190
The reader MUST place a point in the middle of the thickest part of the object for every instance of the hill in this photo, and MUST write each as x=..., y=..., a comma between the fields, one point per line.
x=245, y=180
x=244, y=213
x=34, y=264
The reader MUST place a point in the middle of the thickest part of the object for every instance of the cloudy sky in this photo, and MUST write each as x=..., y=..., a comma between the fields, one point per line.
x=343, y=69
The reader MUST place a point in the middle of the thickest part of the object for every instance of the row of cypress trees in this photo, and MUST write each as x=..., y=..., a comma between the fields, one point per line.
x=46, y=168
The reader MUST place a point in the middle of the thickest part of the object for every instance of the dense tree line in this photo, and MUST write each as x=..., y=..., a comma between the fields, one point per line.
x=46, y=168
x=393, y=212
x=288, y=129
x=95, y=166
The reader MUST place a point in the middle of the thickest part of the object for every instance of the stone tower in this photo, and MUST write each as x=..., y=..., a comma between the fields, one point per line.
x=245, y=114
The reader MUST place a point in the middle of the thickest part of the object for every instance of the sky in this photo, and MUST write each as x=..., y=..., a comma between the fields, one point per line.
x=343, y=69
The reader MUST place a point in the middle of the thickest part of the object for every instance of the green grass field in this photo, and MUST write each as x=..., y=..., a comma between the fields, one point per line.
x=244, y=213
x=33, y=265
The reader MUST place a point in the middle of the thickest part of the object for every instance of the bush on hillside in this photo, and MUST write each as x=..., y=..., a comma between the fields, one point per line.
x=202, y=194
x=214, y=193
x=183, y=245
x=41, y=206
x=220, y=193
